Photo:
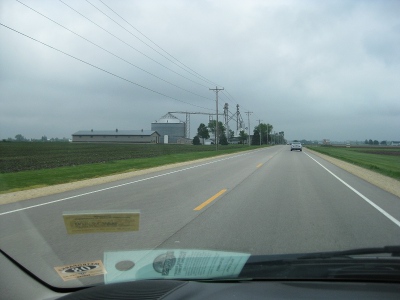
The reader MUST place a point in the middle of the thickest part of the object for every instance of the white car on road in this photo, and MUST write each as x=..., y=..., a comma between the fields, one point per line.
x=296, y=146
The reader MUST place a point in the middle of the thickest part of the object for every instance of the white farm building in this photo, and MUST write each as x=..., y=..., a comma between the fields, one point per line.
x=116, y=136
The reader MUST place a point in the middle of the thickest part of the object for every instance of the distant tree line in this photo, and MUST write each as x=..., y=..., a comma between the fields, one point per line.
x=262, y=134
x=374, y=142
x=20, y=138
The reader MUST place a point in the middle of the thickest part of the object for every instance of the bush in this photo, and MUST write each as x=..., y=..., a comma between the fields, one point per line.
x=196, y=140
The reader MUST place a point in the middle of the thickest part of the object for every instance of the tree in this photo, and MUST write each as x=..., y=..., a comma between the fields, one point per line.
x=223, y=140
x=282, y=138
x=203, y=132
x=20, y=138
x=221, y=128
x=255, y=140
x=366, y=142
x=370, y=142
x=211, y=126
x=376, y=142
x=383, y=143
x=196, y=140
x=243, y=136
x=231, y=134
x=265, y=131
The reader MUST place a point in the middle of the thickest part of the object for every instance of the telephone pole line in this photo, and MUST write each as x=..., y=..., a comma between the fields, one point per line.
x=259, y=129
x=248, y=120
x=216, y=90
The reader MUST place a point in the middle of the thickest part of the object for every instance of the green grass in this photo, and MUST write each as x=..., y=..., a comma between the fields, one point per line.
x=44, y=164
x=385, y=161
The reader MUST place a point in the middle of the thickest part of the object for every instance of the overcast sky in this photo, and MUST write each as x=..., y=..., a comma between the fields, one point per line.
x=313, y=69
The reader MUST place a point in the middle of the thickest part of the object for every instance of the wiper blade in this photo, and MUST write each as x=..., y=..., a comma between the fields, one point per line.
x=357, y=264
x=393, y=250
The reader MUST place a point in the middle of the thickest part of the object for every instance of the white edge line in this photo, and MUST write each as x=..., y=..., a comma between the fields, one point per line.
x=382, y=211
x=123, y=184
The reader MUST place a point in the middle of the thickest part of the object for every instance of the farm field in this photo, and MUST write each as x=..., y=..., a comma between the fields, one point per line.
x=384, y=160
x=30, y=165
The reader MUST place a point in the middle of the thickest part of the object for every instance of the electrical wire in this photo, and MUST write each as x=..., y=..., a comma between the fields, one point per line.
x=101, y=69
x=129, y=44
x=190, y=72
x=224, y=93
x=132, y=46
x=177, y=60
x=230, y=97
x=143, y=70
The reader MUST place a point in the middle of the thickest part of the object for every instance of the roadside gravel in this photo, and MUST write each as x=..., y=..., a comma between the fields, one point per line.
x=384, y=182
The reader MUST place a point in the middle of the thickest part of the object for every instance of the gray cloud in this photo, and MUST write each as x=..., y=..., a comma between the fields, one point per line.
x=313, y=69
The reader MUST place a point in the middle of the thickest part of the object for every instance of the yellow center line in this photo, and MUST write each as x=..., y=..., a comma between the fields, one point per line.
x=259, y=165
x=205, y=203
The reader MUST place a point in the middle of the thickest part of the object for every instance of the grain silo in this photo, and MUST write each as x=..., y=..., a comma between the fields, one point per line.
x=170, y=128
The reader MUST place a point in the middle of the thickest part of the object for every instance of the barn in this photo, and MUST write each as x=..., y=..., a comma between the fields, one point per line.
x=116, y=136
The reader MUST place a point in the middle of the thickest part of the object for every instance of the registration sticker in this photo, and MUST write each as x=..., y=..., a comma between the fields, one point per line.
x=94, y=222
x=81, y=270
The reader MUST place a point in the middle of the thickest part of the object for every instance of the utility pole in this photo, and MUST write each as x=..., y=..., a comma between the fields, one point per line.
x=259, y=129
x=226, y=120
x=216, y=90
x=237, y=118
x=248, y=121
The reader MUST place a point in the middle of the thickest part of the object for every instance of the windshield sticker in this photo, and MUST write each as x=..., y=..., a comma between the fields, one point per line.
x=76, y=271
x=94, y=222
x=172, y=264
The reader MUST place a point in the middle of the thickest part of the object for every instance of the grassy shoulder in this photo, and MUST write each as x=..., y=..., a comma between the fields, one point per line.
x=23, y=180
x=385, y=161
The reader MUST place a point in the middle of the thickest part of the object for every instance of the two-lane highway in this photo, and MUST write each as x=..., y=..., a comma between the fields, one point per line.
x=267, y=201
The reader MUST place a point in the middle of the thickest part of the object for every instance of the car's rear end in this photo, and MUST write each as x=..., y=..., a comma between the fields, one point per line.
x=296, y=146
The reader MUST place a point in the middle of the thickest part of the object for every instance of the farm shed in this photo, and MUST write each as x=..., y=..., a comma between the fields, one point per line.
x=116, y=136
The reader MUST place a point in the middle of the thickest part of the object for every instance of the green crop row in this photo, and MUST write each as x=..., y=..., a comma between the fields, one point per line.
x=30, y=165
x=16, y=157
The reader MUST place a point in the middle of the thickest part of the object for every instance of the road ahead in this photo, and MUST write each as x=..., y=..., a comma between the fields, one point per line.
x=266, y=201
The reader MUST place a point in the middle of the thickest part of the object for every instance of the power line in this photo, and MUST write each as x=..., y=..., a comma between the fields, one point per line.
x=155, y=43
x=259, y=129
x=248, y=118
x=227, y=95
x=132, y=46
x=103, y=70
x=227, y=99
x=216, y=90
x=190, y=71
x=143, y=70
x=230, y=97
x=141, y=41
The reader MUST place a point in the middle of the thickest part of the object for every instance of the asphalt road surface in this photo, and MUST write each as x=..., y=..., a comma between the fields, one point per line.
x=267, y=201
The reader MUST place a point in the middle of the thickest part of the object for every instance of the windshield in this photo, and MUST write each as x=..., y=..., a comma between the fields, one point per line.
x=149, y=139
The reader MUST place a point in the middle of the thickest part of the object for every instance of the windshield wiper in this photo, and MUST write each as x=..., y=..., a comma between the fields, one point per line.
x=393, y=250
x=365, y=264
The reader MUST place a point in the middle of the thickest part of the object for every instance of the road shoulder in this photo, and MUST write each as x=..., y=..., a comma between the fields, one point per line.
x=384, y=182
